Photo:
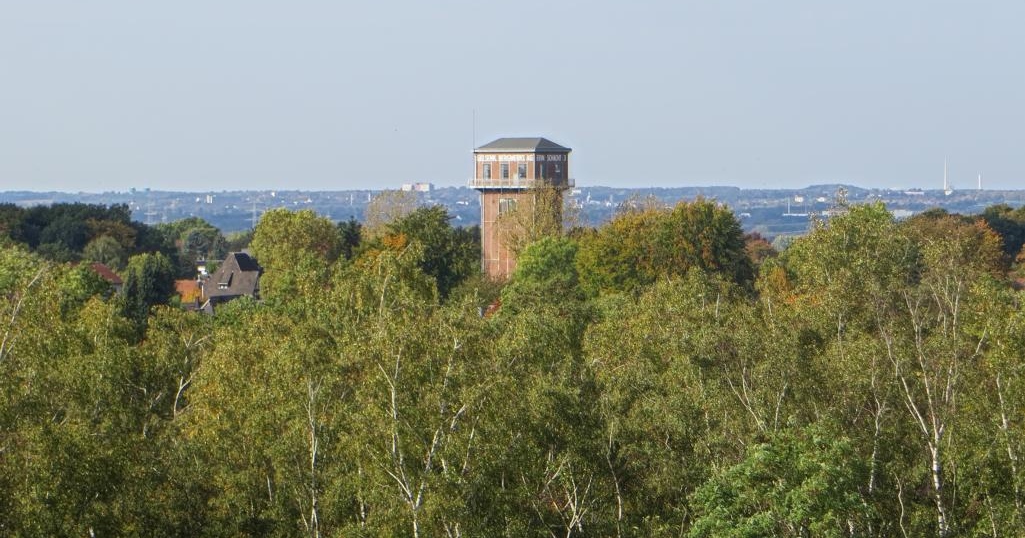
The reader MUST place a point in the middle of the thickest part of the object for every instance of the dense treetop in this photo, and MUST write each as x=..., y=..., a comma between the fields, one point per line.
x=660, y=375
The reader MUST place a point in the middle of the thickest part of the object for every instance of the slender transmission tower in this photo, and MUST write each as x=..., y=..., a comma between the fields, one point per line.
x=946, y=184
x=256, y=216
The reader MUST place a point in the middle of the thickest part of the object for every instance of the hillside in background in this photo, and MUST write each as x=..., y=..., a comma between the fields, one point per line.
x=770, y=212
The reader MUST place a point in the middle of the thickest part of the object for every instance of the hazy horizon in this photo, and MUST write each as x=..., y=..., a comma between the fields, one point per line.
x=317, y=95
x=640, y=187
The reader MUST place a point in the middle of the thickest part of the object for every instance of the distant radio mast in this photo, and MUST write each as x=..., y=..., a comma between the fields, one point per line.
x=255, y=218
x=946, y=185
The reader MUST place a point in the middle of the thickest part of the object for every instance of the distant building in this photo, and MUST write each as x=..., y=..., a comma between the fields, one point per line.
x=238, y=276
x=417, y=187
x=506, y=171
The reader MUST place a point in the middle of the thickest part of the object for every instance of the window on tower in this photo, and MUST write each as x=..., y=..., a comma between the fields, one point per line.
x=521, y=171
x=506, y=205
x=505, y=170
x=486, y=172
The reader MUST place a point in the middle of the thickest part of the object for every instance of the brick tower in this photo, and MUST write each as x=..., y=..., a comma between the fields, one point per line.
x=507, y=172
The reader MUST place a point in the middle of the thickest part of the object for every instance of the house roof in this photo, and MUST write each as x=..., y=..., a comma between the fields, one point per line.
x=532, y=145
x=188, y=290
x=106, y=273
x=238, y=275
x=186, y=287
x=245, y=262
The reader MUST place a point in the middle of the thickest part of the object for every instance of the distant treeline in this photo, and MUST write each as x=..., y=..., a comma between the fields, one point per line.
x=660, y=375
x=72, y=232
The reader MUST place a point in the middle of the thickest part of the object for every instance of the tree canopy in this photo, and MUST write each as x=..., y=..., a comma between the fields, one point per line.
x=651, y=377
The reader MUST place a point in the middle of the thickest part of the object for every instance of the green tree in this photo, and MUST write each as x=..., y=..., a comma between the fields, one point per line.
x=705, y=235
x=385, y=208
x=617, y=256
x=120, y=231
x=800, y=483
x=843, y=286
x=82, y=441
x=11, y=222
x=192, y=239
x=72, y=225
x=237, y=241
x=271, y=455
x=931, y=363
x=545, y=269
x=995, y=411
x=106, y=250
x=351, y=232
x=544, y=441
x=295, y=250
x=148, y=281
x=1009, y=224
x=449, y=254
x=643, y=244
x=691, y=372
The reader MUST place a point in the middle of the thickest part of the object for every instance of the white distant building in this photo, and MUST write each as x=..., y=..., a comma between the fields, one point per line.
x=417, y=187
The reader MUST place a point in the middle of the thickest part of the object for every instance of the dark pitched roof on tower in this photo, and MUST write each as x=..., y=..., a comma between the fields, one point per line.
x=536, y=145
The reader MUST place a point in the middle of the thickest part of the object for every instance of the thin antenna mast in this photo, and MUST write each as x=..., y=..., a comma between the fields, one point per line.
x=947, y=190
x=254, y=219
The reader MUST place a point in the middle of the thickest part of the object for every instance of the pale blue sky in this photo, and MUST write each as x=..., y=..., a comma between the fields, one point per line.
x=304, y=94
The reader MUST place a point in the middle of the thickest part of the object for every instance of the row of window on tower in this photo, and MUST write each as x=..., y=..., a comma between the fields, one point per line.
x=521, y=170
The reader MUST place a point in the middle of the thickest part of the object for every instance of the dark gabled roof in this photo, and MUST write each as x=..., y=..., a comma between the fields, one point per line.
x=239, y=275
x=533, y=145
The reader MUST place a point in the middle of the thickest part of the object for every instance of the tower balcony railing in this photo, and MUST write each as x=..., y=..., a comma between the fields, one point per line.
x=519, y=183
